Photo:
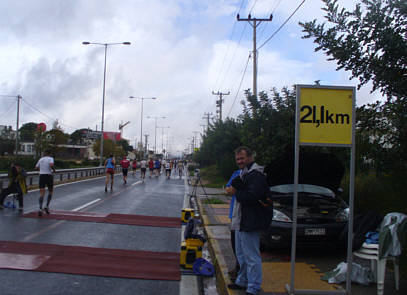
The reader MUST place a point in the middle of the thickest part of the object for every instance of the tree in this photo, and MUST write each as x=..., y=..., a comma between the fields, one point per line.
x=27, y=132
x=77, y=136
x=109, y=147
x=372, y=45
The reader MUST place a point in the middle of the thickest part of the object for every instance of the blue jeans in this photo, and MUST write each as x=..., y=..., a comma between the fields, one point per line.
x=248, y=255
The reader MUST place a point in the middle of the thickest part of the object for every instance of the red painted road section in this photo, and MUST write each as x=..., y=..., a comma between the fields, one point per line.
x=129, y=219
x=90, y=261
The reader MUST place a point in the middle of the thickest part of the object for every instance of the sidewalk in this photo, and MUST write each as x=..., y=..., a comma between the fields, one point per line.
x=276, y=266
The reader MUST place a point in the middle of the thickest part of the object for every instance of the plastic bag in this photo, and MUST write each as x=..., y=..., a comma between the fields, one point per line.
x=361, y=275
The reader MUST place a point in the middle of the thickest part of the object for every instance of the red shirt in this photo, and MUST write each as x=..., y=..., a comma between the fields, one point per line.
x=151, y=164
x=125, y=163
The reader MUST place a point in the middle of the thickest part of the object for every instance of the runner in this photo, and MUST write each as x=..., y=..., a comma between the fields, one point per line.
x=46, y=167
x=157, y=167
x=180, y=168
x=168, y=169
x=125, y=168
x=109, y=165
x=151, y=166
x=143, y=168
x=134, y=166
x=164, y=162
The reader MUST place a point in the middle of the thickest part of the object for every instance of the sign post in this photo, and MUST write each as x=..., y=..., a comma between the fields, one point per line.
x=325, y=116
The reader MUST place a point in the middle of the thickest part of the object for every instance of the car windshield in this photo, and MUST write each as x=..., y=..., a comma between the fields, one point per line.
x=302, y=188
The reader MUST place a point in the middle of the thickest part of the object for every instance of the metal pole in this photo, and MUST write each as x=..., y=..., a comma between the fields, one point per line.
x=155, y=137
x=18, y=118
x=141, y=124
x=254, y=59
x=103, y=110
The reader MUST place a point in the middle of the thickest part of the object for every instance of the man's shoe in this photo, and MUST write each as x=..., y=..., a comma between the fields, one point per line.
x=105, y=188
x=46, y=209
x=236, y=287
x=40, y=213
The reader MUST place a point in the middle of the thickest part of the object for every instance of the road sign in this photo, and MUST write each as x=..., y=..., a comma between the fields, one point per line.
x=325, y=115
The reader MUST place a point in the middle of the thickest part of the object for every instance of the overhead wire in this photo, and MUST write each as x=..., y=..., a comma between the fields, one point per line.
x=281, y=26
x=8, y=109
x=240, y=85
x=49, y=117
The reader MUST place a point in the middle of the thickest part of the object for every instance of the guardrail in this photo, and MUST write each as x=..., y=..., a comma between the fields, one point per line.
x=61, y=175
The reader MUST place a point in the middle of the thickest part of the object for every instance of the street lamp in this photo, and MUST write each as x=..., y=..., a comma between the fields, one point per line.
x=155, y=131
x=162, y=137
x=141, y=123
x=104, y=85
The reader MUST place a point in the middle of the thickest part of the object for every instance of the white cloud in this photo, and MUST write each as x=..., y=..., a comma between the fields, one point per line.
x=181, y=51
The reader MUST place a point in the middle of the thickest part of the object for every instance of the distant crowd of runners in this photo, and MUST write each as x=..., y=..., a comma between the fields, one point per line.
x=17, y=176
x=156, y=167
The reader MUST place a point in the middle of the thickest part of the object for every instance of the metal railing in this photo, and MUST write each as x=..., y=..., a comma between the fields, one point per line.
x=61, y=175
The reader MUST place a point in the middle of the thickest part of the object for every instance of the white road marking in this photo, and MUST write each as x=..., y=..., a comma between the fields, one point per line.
x=138, y=182
x=86, y=205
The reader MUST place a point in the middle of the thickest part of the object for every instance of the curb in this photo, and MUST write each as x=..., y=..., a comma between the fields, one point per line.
x=222, y=277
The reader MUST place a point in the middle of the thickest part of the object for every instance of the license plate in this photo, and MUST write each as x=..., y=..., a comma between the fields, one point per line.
x=315, y=231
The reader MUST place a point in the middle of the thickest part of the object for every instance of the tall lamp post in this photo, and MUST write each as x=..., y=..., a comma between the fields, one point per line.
x=18, y=117
x=141, y=123
x=162, y=137
x=104, y=86
x=155, y=131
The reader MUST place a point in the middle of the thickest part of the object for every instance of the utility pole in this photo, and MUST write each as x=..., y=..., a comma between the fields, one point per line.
x=219, y=102
x=207, y=116
x=203, y=128
x=146, y=136
x=255, y=22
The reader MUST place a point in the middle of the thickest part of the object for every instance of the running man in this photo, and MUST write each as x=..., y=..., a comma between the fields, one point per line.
x=125, y=163
x=143, y=168
x=134, y=166
x=168, y=169
x=46, y=167
x=151, y=167
x=180, y=167
x=157, y=167
x=109, y=164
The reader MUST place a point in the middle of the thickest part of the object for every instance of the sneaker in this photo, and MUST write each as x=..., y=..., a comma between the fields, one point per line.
x=105, y=188
x=21, y=209
x=46, y=209
x=40, y=213
x=236, y=287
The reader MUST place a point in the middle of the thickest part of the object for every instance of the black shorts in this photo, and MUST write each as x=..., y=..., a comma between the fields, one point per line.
x=46, y=180
x=143, y=170
x=125, y=170
x=151, y=169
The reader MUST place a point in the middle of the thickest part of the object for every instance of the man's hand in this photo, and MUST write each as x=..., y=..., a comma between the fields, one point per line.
x=230, y=191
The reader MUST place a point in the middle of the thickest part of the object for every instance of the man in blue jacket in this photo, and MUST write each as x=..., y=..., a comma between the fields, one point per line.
x=249, y=219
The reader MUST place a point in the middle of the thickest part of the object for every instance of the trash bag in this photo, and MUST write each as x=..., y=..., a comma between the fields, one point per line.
x=361, y=275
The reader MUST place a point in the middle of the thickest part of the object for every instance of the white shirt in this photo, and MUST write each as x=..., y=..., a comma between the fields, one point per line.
x=45, y=165
x=143, y=164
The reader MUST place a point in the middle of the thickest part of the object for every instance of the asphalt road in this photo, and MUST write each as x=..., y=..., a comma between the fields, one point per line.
x=156, y=197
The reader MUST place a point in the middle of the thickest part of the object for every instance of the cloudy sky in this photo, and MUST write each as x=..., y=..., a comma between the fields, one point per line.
x=181, y=51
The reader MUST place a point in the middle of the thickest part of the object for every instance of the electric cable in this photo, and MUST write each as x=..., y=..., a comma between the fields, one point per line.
x=282, y=25
x=240, y=85
x=8, y=109
x=49, y=117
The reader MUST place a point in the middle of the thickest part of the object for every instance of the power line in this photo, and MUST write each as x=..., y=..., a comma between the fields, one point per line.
x=227, y=48
x=275, y=33
x=240, y=85
x=49, y=117
x=8, y=109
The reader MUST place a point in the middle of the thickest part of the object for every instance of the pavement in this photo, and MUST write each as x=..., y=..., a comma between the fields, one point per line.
x=309, y=268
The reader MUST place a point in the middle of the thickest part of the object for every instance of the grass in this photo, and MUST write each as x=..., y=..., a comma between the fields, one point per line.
x=213, y=201
x=212, y=178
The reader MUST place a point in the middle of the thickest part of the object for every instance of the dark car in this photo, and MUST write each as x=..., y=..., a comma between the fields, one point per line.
x=322, y=215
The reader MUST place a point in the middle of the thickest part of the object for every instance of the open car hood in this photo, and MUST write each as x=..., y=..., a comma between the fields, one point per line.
x=312, y=190
x=321, y=169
